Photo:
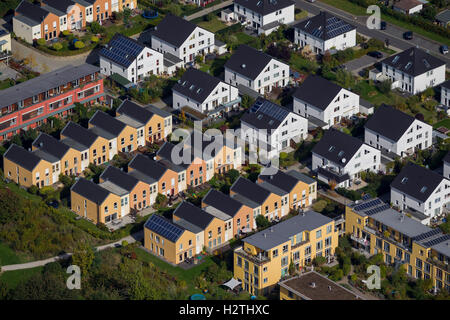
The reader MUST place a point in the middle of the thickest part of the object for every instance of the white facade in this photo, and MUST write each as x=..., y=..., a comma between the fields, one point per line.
x=412, y=84
x=147, y=63
x=412, y=10
x=275, y=74
x=274, y=141
x=366, y=159
x=222, y=94
x=320, y=46
x=418, y=136
x=344, y=105
x=255, y=20
x=431, y=207
x=446, y=170
x=445, y=96
x=26, y=32
x=199, y=42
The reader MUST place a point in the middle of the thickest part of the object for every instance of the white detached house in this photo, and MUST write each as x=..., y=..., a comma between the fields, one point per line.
x=323, y=102
x=324, y=32
x=130, y=59
x=412, y=70
x=421, y=192
x=264, y=16
x=392, y=130
x=271, y=127
x=341, y=158
x=182, y=39
x=256, y=70
x=204, y=93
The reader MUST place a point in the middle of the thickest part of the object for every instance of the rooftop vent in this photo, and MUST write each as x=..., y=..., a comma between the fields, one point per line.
x=243, y=66
x=395, y=59
x=425, y=62
x=331, y=149
x=341, y=154
x=344, y=160
x=41, y=144
x=313, y=284
x=404, y=180
x=265, y=236
x=423, y=189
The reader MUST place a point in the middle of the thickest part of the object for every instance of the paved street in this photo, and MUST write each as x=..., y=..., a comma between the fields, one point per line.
x=393, y=33
x=360, y=63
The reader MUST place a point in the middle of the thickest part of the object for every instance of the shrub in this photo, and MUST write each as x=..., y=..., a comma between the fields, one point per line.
x=79, y=45
x=66, y=33
x=318, y=261
x=319, y=206
x=262, y=222
x=33, y=189
x=40, y=42
x=57, y=46
x=95, y=39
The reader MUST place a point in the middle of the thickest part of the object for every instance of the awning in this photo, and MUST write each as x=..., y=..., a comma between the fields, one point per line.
x=233, y=283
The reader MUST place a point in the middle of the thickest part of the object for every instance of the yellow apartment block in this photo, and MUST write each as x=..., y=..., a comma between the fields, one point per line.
x=265, y=257
x=376, y=228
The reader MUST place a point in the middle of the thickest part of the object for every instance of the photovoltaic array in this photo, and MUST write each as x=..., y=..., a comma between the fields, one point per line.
x=164, y=228
x=367, y=205
x=122, y=50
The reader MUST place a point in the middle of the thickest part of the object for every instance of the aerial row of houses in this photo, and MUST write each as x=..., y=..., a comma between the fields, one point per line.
x=222, y=217
x=49, y=18
x=133, y=126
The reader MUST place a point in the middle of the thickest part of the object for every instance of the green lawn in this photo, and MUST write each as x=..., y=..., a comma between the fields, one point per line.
x=360, y=11
x=179, y=273
x=8, y=256
x=213, y=25
x=371, y=94
x=442, y=123
x=13, y=278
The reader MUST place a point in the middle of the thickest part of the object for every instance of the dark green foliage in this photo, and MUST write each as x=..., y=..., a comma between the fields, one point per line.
x=262, y=222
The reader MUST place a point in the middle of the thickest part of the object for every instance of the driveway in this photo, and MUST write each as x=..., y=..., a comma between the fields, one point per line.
x=356, y=65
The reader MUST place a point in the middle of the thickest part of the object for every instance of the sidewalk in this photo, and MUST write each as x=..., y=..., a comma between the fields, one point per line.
x=208, y=10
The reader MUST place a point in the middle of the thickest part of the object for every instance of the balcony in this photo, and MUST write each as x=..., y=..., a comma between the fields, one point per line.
x=362, y=241
x=444, y=265
x=259, y=259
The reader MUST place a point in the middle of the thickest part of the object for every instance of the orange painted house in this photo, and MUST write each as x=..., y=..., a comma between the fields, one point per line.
x=166, y=178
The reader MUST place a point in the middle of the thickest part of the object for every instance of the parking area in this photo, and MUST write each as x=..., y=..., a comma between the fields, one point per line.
x=356, y=65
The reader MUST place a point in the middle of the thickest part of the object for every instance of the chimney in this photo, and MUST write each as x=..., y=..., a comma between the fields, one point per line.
x=265, y=236
x=313, y=284
x=329, y=288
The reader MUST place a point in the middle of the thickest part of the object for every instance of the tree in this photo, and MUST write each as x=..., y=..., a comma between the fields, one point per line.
x=262, y=222
x=161, y=201
x=345, y=78
x=96, y=28
x=175, y=9
x=319, y=261
x=292, y=268
x=320, y=205
x=83, y=256
x=384, y=86
x=233, y=174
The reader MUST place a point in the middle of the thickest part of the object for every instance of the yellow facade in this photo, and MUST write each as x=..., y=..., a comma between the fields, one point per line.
x=40, y=176
x=154, y=129
x=173, y=252
x=127, y=140
x=93, y=211
x=260, y=270
x=99, y=151
x=376, y=238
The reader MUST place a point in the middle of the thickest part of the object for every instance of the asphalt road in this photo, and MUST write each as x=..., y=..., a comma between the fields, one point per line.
x=392, y=32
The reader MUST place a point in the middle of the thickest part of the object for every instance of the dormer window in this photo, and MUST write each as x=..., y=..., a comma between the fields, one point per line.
x=404, y=180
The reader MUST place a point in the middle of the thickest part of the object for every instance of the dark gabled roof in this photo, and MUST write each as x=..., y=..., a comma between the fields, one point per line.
x=416, y=181
x=325, y=26
x=120, y=178
x=443, y=16
x=250, y=190
x=265, y=7
x=107, y=123
x=446, y=84
x=174, y=30
x=135, y=111
x=301, y=177
x=280, y=180
x=337, y=146
x=192, y=214
x=196, y=85
x=164, y=227
x=60, y=5
x=90, y=190
x=50, y=145
x=122, y=50
x=165, y=152
x=79, y=134
x=389, y=122
x=447, y=157
x=32, y=11
x=248, y=61
x=22, y=157
x=265, y=114
x=147, y=166
x=160, y=112
x=317, y=91
x=223, y=202
x=407, y=4
x=413, y=61
x=44, y=82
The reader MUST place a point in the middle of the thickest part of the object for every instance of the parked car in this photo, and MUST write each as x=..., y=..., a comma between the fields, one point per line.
x=443, y=49
x=311, y=1
x=408, y=35
x=375, y=54
x=383, y=25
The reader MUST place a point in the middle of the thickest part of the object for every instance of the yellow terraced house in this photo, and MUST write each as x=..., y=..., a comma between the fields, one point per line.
x=301, y=188
x=94, y=203
x=264, y=258
x=424, y=252
x=168, y=240
x=26, y=168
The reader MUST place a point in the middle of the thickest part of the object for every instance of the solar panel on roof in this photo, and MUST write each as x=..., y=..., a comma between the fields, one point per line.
x=426, y=235
x=164, y=228
x=366, y=197
x=437, y=241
